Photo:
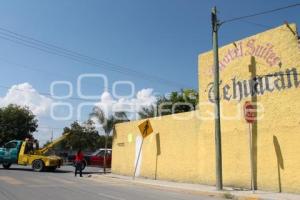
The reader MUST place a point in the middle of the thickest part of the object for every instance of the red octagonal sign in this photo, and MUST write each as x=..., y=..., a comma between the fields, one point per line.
x=249, y=111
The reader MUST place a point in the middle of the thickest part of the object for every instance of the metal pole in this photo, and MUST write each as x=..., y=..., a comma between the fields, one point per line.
x=105, y=152
x=251, y=157
x=218, y=145
x=138, y=158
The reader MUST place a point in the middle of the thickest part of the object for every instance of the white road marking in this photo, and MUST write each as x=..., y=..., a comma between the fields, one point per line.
x=11, y=180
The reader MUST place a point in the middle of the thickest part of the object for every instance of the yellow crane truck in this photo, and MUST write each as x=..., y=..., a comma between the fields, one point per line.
x=21, y=153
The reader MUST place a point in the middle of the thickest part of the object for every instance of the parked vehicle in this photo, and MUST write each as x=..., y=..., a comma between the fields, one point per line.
x=22, y=153
x=95, y=159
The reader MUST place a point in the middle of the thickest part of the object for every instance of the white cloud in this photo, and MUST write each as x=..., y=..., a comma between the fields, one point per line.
x=25, y=95
x=144, y=98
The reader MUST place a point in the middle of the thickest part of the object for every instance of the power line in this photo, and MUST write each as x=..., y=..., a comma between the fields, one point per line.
x=259, y=24
x=30, y=45
x=78, y=57
x=263, y=25
x=43, y=126
x=18, y=65
x=34, y=69
x=50, y=127
x=260, y=13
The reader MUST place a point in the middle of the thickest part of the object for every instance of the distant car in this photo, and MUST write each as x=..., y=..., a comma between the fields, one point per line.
x=95, y=159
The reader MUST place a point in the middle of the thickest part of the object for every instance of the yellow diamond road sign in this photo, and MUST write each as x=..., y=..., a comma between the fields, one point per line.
x=145, y=128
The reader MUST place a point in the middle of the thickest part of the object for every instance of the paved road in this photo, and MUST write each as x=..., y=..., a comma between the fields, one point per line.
x=20, y=183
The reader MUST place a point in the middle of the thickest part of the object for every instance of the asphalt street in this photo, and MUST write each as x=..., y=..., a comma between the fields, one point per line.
x=21, y=183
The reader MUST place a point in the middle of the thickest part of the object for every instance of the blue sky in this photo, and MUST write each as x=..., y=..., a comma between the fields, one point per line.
x=157, y=37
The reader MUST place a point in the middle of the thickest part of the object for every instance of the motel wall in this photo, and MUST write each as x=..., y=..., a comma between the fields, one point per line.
x=263, y=69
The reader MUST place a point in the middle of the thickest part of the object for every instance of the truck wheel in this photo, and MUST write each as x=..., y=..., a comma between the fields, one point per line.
x=38, y=165
x=6, y=165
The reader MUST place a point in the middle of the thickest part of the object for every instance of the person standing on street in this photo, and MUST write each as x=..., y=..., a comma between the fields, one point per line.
x=78, y=162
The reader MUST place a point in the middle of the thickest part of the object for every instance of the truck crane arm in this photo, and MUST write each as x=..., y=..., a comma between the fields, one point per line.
x=46, y=148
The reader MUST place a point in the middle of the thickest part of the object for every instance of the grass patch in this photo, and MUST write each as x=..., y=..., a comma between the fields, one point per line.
x=228, y=196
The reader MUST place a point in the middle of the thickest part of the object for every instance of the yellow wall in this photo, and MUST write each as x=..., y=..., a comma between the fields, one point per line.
x=187, y=144
x=176, y=161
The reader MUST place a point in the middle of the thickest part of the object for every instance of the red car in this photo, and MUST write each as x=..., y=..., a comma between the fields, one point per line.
x=95, y=159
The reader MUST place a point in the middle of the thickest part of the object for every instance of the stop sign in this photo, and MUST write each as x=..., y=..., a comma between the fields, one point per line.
x=249, y=111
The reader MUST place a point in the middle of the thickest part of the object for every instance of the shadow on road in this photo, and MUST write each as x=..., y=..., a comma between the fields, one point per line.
x=62, y=170
x=30, y=170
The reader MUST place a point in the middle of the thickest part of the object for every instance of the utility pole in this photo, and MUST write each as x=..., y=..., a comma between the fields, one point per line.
x=218, y=145
x=105, y=152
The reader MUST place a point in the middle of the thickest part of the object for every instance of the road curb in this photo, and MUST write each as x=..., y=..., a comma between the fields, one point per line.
x=221, y=194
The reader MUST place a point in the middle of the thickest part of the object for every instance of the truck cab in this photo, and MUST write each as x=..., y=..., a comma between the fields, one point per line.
x=9, y=153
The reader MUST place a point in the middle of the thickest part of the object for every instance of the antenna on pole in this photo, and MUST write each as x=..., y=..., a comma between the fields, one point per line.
x=51, y=139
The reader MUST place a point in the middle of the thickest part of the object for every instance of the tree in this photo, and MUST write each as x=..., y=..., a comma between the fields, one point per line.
x=184, y=101
x=177, y=102
x=148, y=112
x=101, y=142
x=82, y=136
x=108, y=123
x=47, y=143
x=16, y=123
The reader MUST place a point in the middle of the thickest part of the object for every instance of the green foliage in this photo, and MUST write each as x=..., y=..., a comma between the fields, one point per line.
x=228, y=196
x=147, y=112
x=177, y=102
x=16, y=123
x=184, y=101
x=83, y=136
x=47, y=143
x=108, y=122
x=101, y=142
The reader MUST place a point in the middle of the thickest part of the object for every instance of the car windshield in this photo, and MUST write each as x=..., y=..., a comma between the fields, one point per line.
x=10, y=145
x=96, y=152
x=100, y=152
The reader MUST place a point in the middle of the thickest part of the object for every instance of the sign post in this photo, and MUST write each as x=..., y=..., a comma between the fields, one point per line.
x=250, y=111
x=145, y=129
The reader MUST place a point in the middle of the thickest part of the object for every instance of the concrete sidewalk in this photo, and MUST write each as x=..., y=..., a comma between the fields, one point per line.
x=228, y=193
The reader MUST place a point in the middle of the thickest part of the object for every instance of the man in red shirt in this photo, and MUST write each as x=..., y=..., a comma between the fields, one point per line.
x=78, y=162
